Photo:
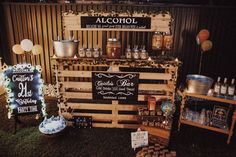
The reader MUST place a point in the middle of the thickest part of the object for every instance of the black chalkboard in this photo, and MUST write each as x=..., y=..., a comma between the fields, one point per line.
x=115, y=86
x=24, y=89
x=119, y=22
x=220, y=117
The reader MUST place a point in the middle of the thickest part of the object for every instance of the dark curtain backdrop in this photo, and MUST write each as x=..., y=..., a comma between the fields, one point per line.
x=42, y=24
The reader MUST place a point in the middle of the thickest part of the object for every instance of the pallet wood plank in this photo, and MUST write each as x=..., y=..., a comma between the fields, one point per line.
x=88, y=106
x=143, y=75
x=80, y=95
x=142, y=86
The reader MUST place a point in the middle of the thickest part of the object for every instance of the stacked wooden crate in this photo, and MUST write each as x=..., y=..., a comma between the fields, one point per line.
x=75, y=80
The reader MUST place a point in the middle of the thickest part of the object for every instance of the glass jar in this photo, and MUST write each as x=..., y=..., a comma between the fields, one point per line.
x=168, y=39
x=157, y=41
x=128, y=53
x=143, y=54
x=81, y=52
x=135, y=54
x=113, y=48
x=88, y=53
x=95, y=53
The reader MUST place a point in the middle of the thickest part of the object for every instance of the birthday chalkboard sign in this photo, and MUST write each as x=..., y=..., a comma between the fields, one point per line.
x=24, y=86
x=115, y=86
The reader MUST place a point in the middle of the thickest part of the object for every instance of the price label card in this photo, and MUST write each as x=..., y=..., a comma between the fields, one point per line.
x=139, y=139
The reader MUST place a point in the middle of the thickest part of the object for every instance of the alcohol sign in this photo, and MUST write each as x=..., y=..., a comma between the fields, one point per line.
x=113, y=21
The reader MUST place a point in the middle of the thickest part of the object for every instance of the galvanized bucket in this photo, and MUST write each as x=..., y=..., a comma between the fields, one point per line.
x=198, y=84
x=66, y=48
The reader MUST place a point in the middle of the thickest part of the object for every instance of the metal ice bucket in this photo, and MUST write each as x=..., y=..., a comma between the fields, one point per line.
x=198, y=84
x=65, y=48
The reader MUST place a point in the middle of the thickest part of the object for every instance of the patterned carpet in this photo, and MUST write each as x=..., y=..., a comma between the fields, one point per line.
x=101, y=142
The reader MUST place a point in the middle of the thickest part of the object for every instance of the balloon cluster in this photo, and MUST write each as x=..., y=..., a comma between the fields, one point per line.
x=26, y=45
x=202, y=39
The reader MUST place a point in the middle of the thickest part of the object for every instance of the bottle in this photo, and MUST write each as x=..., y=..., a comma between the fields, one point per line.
x=231, y=88
x=224, y=87
x=217, y=87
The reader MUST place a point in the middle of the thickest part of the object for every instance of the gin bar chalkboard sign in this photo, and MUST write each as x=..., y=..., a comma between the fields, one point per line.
x=115, y=86
x=23, y=84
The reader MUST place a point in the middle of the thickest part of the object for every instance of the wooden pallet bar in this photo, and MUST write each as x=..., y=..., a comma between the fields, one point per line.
x=75, y=80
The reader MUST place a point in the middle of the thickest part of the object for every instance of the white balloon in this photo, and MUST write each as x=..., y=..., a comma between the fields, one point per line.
x=26, y=45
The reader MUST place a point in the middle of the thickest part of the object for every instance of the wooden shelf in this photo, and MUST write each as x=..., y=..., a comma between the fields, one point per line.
x=225, y=100
x=156, y=131
x=212, y=98
x=204, y=126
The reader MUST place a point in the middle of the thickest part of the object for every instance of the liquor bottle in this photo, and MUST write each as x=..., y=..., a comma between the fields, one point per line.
x=217, y=87
x=231, y=88
x=224, y=87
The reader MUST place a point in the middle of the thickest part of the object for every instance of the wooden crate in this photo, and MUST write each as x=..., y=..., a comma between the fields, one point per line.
x=74, y=78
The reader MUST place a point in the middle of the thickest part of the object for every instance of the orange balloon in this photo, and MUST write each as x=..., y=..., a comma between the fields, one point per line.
x=203, y=35
x=17, y=49
x=37, y=49
x=206, y=45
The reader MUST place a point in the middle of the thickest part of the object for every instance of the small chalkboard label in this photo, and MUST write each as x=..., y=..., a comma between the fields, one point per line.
x=82, y=121
x=115, y=86
x=220, y=116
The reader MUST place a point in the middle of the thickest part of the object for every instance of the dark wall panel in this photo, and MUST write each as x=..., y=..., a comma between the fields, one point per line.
x=42, y=24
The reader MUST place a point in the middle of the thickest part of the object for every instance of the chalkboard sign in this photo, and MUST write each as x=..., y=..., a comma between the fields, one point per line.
x=82, y=121
x=115, y=86
x=116, y=22
x=220, y=116
x=24, y=89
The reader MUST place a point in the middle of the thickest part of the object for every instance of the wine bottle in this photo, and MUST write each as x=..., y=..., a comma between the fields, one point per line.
x=224, y=87
x=231, y=88
x=217, y=87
